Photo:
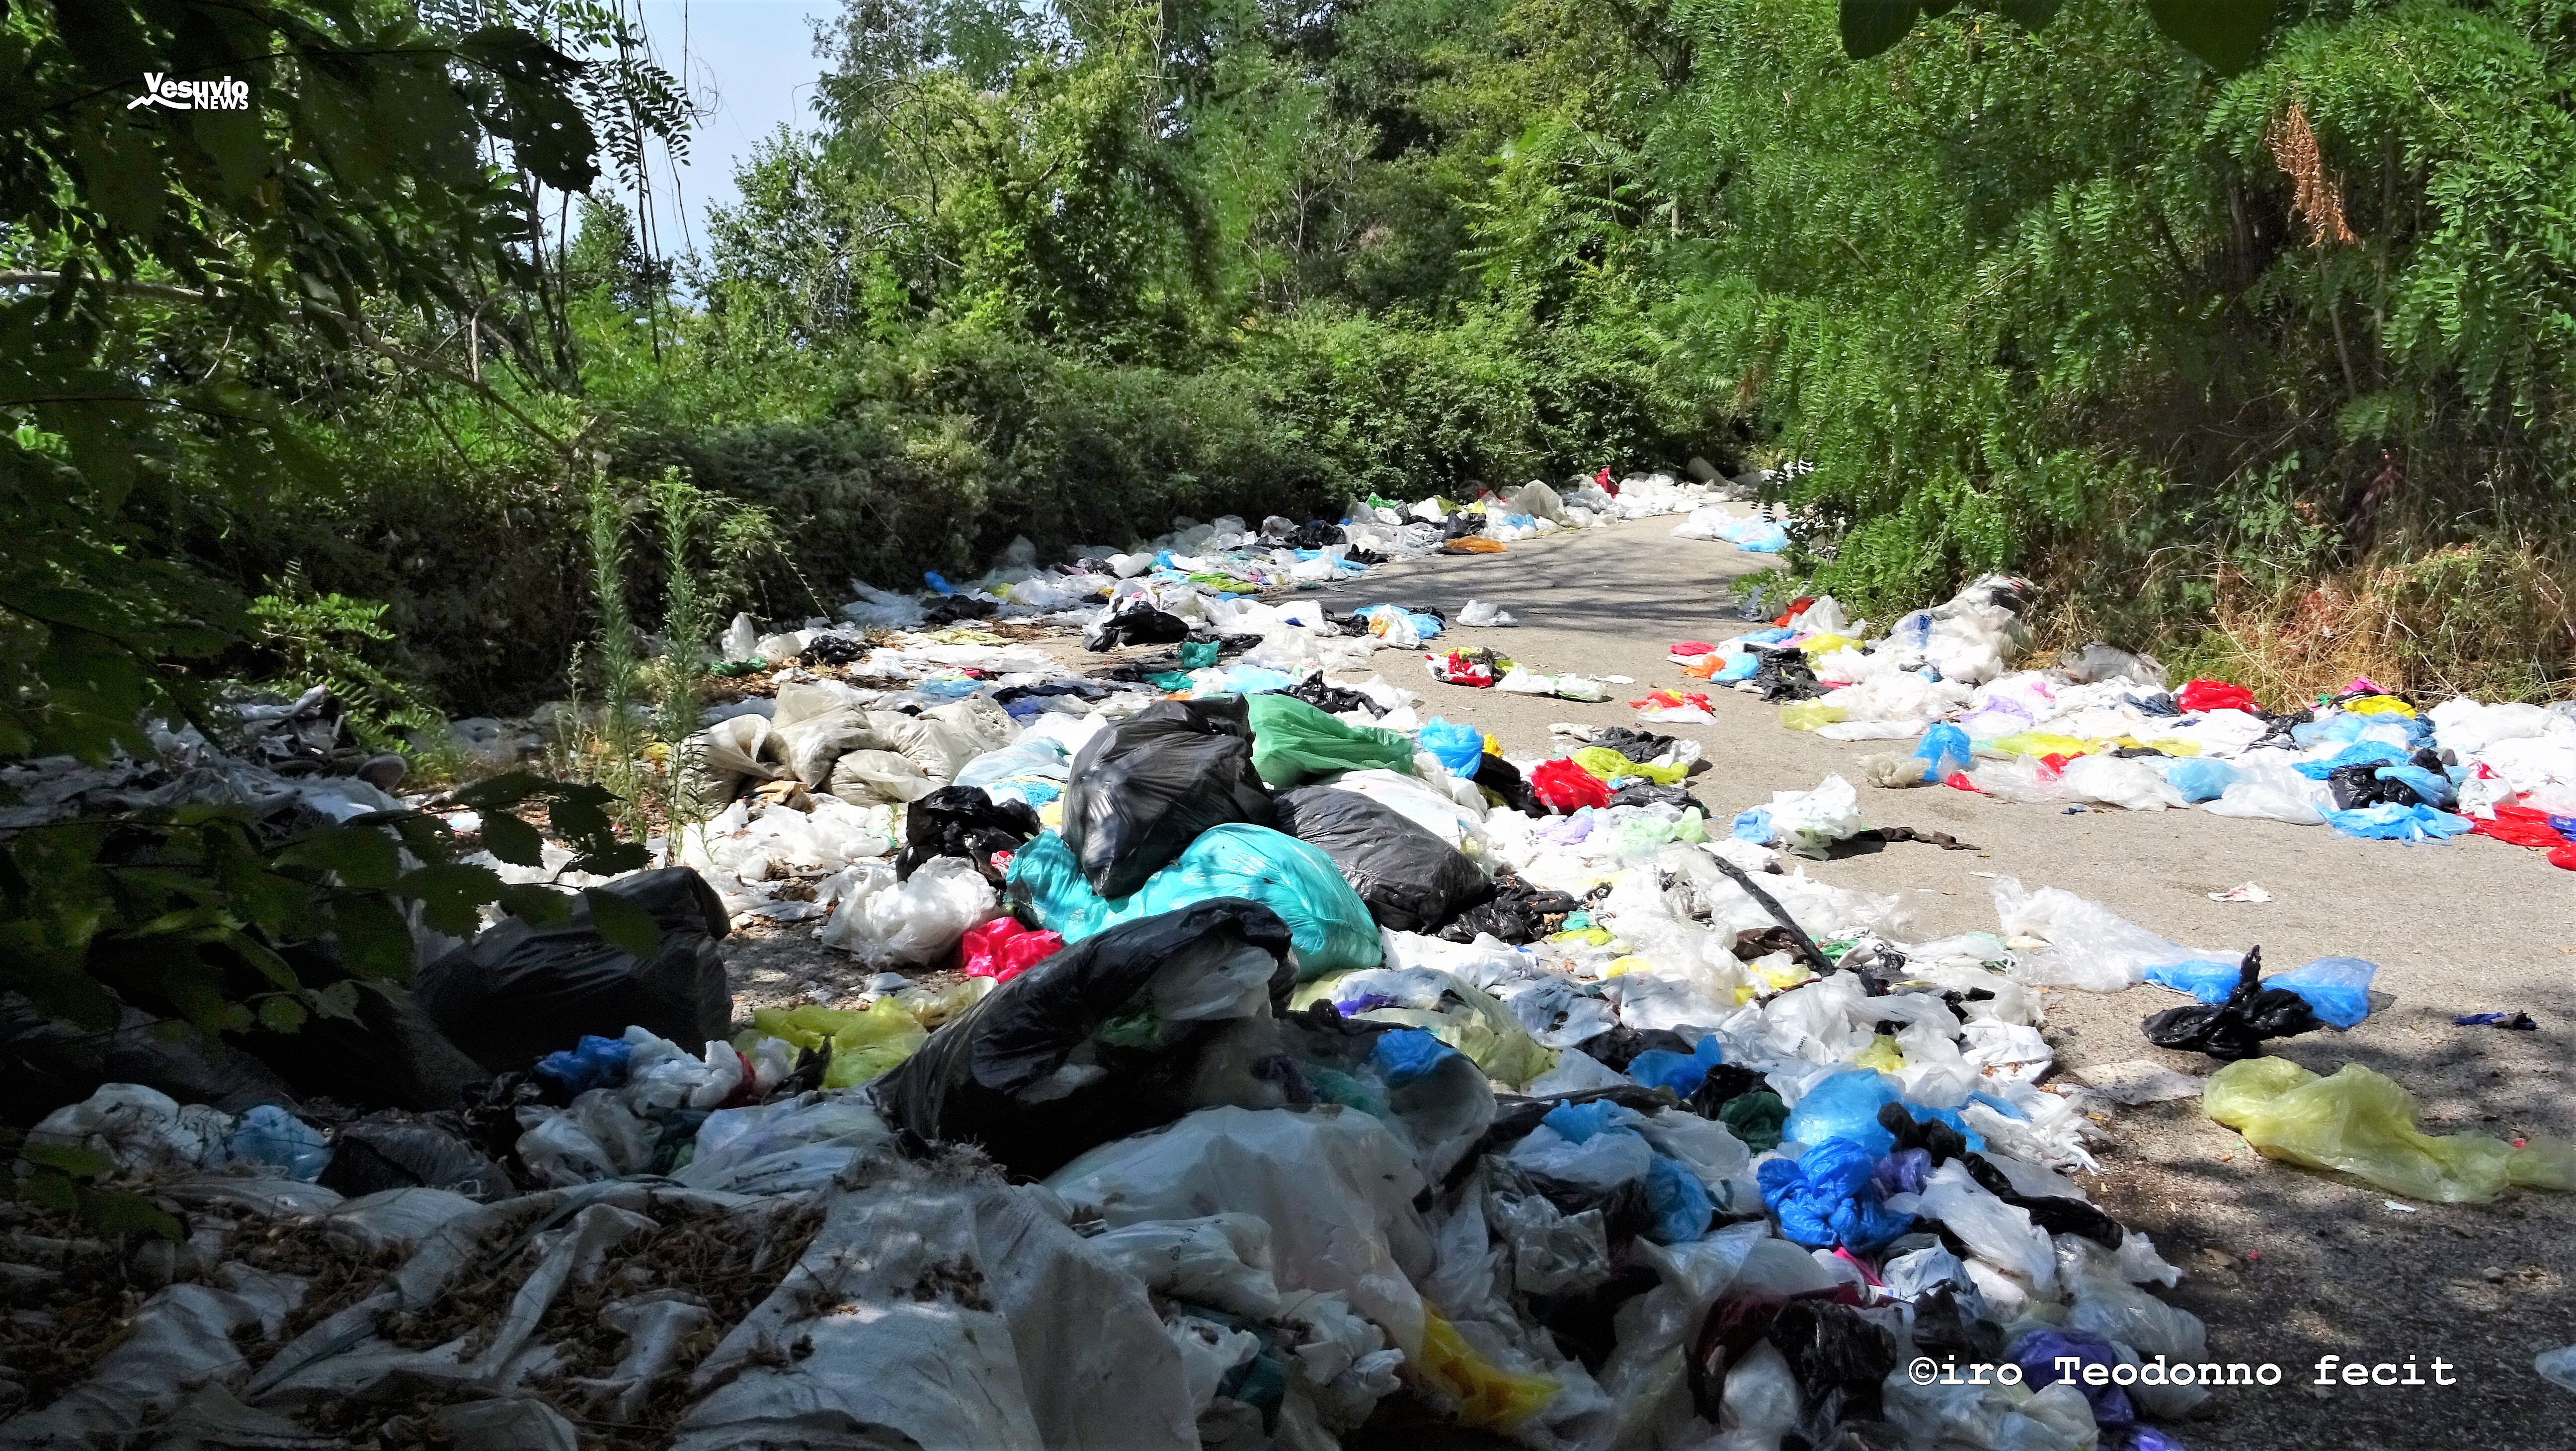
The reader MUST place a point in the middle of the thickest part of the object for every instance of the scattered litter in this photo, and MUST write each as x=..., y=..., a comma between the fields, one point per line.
x=1242, y=1045
x=2515, y=1022
x=2248, y=892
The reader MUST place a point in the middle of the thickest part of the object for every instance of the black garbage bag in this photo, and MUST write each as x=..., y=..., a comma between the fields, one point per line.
x=394, y=1056
x=1505, y=780
x=1647, y=793
x=1410, y=879
x=1839, y=1355
x=1631, y=742
x=963, y=821
x=1462, y=524
x=2238, y=1027
x=46, y=1063
x=1145, y=788
x=1329, y=698
x=952, y=608
x=1783, y=675
x=1316, y=534
x=1072, y=1053
x=2355, y=787
x=1138, y=624
x=519, y=992
x=389, y=1152
x=1517, y=912
x=2056, y=1213
x=832, y=650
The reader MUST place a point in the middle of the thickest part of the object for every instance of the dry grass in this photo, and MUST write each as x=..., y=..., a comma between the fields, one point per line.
x=2494, y=620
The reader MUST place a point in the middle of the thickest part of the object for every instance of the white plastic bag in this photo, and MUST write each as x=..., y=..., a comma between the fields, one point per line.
x=885, y=923
x=1479, y=615
x=2075, y=942
x=1335, y=1186
x=1810, y=822
x=2118, y=781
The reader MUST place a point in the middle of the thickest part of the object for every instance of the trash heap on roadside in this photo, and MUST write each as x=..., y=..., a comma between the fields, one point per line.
x=1253, y=1059
x=2103, y=728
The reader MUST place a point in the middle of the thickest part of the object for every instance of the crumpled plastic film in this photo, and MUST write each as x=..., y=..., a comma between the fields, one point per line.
x=2363, y=1124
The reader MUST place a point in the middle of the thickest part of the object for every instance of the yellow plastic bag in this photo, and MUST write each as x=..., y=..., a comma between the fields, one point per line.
x=2363, y=1124
x=1608, y=765
x=1808, y=715
x=2042, y=743
x=1487, y=1395
x=864, y=1044
x=2379, y=705
x=1827, y=644
x=1620, y=966
x=1881, y=1054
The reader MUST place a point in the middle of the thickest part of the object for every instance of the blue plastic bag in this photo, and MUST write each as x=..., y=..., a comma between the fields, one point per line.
x=1753, y=825
x=1845, y=1106
x=270, y=1136
x=1328, y=924
x=1944, y=752
x=1459, y=749
x=1679, y=1203
x=1738, y=667
x=1825, y=1198
x=1578, y=1122
x=2207, y=980
x=2432, y=786
x=2389, y=821
x=938, y=585
x=2357, y=754
x=594, y=1062
x=2337, y=988
x=2199, y=778
x=1407, y=1054
x=1683, y=1073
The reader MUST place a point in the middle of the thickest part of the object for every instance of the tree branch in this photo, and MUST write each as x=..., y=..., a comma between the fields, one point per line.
x=357, y=327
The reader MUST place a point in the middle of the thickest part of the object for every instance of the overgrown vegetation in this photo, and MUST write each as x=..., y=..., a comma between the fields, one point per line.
x=2201, y=350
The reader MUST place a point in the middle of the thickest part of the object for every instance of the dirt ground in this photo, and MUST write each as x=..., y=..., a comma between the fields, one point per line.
x=2285, y=1265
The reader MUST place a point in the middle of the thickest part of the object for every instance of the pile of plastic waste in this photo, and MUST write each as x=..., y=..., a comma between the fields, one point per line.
x=1253, y=1059
x=2104, y=728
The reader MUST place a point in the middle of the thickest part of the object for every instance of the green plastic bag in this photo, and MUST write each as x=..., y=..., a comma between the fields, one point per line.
x=1328, y=924
x=2363, y=1124
x=1293, y=742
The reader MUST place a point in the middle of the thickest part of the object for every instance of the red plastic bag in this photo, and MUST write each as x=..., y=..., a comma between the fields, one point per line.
x=2521, y=826
x=1691, y=647
x=1604, y=481
x=1002, y=949
x=1795, y=606
x=2214, y=695
x=1456, y=669
x=1567, y=787
x=2565, y=856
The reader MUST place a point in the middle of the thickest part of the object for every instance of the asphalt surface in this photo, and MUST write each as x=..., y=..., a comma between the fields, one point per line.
x=2285, y=1264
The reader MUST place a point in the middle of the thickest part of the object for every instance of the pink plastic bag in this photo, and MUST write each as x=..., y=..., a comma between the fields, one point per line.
x=1002, y=949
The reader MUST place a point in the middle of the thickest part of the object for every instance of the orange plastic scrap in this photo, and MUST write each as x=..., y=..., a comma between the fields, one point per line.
x=1473, y=544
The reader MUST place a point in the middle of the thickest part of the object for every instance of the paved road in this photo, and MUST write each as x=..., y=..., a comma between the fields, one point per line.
x=2465, y=926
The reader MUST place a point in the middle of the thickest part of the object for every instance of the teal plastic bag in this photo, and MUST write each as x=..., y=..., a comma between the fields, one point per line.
x=1328, y=924
x=1294, y=742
